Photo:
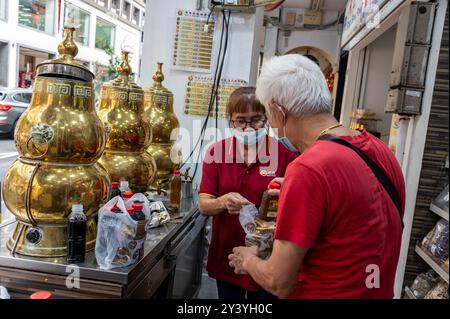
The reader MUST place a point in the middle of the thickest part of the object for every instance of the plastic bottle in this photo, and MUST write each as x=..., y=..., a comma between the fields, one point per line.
x=115, y=191
x=269, y=204
x=138, y=214
x=76, y=230
x=41, y=295
x=124, y=186
x=175, y=190
x=127, y=195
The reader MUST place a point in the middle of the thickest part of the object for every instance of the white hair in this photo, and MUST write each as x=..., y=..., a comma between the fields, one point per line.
x=295, y=83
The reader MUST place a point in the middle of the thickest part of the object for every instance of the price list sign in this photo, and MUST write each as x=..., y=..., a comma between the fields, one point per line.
x=193, y=46
x=198, y=93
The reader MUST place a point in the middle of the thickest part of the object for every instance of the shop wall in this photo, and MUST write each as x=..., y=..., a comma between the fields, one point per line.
x=4, y=50
x=433, y=176
x=374, y=96
x=241, y=61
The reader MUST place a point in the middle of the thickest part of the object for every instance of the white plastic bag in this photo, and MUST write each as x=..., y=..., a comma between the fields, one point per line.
x=141, y=198
x=116, y=244
x=247, y=216
x=4, y=293
x=159, y=215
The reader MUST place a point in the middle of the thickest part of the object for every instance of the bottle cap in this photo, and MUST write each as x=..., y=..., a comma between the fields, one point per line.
x=41, y=295
x=176, y=172
x=138, y=206
x=115, y=184
x=127, y=194
x=274, y=185
x=130, y=210
x=77, y=208
x=124, y=184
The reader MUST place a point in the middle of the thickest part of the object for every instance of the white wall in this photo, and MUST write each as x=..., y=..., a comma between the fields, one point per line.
x=241, y=60
x=378, y=77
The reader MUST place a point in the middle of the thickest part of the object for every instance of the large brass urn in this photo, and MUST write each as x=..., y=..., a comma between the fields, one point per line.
x=59, y=139
x=158, y=105
x=129, y=133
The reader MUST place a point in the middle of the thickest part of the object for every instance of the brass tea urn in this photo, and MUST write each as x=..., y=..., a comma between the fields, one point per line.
x=158, y=105
x=128, y=131
x=59, y=139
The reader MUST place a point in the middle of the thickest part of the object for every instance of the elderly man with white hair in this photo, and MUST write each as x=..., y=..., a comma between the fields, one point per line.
x=341, y=203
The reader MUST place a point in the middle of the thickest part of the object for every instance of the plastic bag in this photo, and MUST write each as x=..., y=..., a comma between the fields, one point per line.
x=4, y=293
x=258, y=232
x=118, y=241
x=159, y=215
x=424, y=283
x=436, y=241
x=140, y=198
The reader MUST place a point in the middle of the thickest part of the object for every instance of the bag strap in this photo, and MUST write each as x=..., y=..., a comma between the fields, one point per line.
x=379, y=173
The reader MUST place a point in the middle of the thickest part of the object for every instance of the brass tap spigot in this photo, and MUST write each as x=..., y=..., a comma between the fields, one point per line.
x=158, y=77
x=124, y=69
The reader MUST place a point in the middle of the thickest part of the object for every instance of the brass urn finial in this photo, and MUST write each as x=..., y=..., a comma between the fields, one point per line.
x=67, y=48
x=124, y=68
x=158, y=77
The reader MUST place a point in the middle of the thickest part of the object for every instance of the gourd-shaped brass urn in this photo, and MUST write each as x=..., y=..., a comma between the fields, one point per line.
x=129, y=133
x=158, y=105
x=59, y=139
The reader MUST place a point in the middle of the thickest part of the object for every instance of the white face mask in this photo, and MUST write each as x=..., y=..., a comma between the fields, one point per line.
x=251, y=137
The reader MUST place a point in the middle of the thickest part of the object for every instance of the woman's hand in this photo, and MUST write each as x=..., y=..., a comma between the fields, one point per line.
x=276, y=192
x=239, y=258
x=233, y=202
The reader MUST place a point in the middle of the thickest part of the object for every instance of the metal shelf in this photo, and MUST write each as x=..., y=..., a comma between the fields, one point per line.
x=439, y=211
x=431, y=261
x=409, y=293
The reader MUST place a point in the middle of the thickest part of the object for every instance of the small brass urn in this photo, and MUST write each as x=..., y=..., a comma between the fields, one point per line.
x=59, y=139
x=158, y=104
x=128, y=131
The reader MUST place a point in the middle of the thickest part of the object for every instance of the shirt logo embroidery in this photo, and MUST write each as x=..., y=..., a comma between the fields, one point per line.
x=264, y=172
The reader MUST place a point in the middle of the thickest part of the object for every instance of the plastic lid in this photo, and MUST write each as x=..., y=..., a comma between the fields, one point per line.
x=127, y=194
x=130, y=210
x=274, y=185
x=41, y=295
x=138, y=206
x=115, y=184
x=176, y=172
x=77, y=208
x=124, y=184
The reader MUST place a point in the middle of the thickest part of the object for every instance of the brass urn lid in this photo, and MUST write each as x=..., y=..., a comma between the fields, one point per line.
x=158, y=78
x=123, y=78
x=65, y=65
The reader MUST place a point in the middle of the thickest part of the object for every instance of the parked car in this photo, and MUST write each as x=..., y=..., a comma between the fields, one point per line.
x=13, y=102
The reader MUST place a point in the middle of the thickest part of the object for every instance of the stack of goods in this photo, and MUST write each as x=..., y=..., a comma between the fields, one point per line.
x=436, y=242
x=429, y=286
x=364, y=118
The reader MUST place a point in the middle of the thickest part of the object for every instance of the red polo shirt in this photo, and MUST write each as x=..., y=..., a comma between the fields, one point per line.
x=222, y=174
x=333, y=204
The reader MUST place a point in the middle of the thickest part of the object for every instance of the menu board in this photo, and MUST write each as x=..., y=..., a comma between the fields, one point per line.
x=198, y=93
x=193, y=46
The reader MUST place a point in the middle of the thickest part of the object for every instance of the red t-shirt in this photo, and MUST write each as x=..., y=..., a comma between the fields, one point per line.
x=222, y=174
x=333, y=204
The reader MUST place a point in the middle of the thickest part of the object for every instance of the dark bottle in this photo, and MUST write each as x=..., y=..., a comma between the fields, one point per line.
x=76, y=230
x=138, y=213
x=269, y=204
x=115, y=190
x=175, y=190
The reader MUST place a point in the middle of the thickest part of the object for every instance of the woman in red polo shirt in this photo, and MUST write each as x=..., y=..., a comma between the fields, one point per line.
x=236, y=171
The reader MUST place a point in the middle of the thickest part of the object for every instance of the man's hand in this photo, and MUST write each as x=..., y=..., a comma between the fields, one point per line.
x=233, y=202
x=240, y=257
x=276, y=192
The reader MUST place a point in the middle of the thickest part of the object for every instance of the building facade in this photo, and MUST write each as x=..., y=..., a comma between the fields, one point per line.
x=30, y=31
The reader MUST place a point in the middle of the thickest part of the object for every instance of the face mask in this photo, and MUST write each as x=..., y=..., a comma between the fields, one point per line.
x=284, y=140
x=249, y=138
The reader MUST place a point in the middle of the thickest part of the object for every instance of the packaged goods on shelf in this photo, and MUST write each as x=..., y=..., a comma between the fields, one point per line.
x=440, y=291
x=436, y=242
x=424, y=283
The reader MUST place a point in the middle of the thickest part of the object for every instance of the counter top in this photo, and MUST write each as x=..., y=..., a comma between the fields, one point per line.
x=154, y=248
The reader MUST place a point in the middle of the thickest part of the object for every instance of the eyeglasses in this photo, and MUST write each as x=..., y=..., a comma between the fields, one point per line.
x=253, y=123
